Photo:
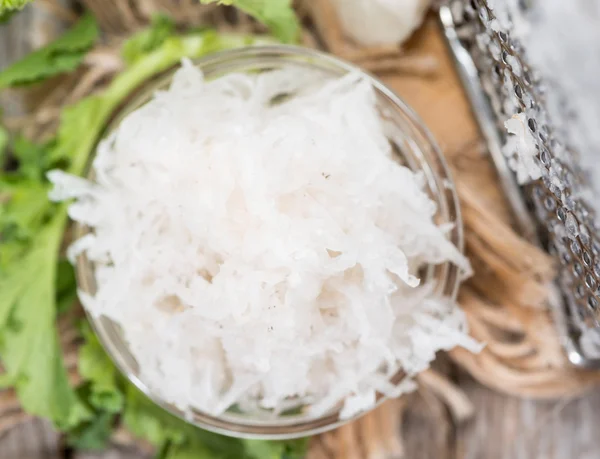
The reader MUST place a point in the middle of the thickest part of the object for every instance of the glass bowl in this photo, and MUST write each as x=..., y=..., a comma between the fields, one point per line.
x=415, y=148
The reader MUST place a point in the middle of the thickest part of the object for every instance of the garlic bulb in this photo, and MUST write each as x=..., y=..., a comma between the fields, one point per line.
x=380, y=22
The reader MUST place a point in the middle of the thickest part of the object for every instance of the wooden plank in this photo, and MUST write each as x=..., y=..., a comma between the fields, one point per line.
x=427, y=431
x=13, y=43
x=27, y=30
x=114, y=453
x=31, y=440
x=509, y=428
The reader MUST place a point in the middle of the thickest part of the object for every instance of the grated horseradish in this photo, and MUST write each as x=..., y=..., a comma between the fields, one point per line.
x=260, y=250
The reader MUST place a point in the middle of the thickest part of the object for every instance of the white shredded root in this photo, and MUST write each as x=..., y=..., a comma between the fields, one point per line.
x=520, y=149
x=262, y=252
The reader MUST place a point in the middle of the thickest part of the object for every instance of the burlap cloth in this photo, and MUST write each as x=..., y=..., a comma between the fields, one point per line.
x=505, y=301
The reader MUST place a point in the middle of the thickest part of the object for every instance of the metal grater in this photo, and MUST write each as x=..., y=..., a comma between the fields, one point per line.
x=552, y=211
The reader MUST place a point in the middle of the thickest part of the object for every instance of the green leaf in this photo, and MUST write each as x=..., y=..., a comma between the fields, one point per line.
x=263, y=449
x=149, y=39
x=146, y=420
x=260, y=449
x=66, y=286
x=177, y=439
x=31, y=232
x=6, y=16
x=96, y=368
x=192, y=449
x=60, y=56
x=32, y=158
x=295, y=449
x=277, y=15
x=23, y=209
x=79, y=128
x=4, y=140
x=93, y=435
x=12, y=5
x=29, y=342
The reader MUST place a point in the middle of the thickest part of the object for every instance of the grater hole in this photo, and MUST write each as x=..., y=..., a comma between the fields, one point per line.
x=569, y=203
x=590, y=282
x=483, y=14
x=584, y=236
x=549, y=203
x=542, y=136
x=545, y=157
x=518, y=91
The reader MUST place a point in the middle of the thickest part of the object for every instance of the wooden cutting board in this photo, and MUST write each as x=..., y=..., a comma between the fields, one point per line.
x=440, y=101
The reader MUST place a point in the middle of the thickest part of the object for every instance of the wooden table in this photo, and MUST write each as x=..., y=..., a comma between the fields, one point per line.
x=503, y=427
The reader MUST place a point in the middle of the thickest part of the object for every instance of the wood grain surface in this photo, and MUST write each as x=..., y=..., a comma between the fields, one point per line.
x=504, y=427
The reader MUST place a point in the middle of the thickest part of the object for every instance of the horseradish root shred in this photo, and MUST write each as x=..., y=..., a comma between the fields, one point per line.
x=260, y=247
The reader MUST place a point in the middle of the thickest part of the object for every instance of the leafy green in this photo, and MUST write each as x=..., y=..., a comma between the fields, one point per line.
x=176, y=439
x=12, y=5
x=4, y=139
x=146, y=420
x=23, y=208
x=6, y=15
x=148, y=39
x=66, y=286
x=60, y=56
x=96, y=367
x=31, y=157
x=31, y=232
x=102, y=389
x=28, y=337
x=260, y=449
x=277, y=15
x=94, y=434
